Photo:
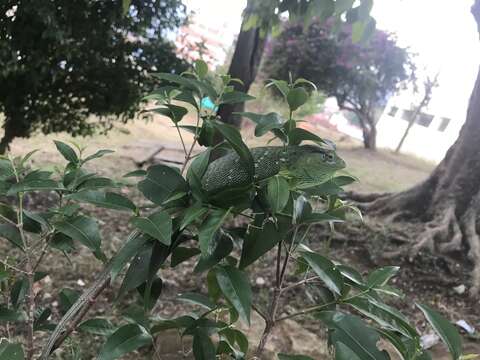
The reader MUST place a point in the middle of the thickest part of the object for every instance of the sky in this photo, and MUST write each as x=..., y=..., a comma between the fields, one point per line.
x=442, y=33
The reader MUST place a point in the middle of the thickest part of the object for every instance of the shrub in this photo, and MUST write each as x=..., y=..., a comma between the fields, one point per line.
x=274, y=194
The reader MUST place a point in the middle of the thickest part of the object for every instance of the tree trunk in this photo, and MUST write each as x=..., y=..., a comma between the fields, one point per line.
x=8, y=136
x=448, y=202
x=244, y=66
x=370, y=138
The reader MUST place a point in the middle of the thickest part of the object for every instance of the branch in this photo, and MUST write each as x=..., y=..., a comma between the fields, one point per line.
x=79, y=317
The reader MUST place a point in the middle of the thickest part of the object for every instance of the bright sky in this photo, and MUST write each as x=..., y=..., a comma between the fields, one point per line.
x=442, y=33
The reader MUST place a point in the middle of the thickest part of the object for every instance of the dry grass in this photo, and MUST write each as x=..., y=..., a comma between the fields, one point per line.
x=378, y=171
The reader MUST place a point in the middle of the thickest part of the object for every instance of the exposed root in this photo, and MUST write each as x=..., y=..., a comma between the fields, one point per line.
x=473, y=240
x=439, y=233
x=364, y=198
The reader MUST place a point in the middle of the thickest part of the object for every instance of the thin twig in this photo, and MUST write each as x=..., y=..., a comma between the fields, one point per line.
x=299, y=283
x=259, y=312
x=195, y=137
x=7, y=220
x=181, y=139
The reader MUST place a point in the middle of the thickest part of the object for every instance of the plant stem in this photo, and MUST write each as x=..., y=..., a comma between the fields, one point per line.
x=195, y=137
x=322, y=306
x=181, y=139
x=30, y=296
x=270, y=318
x=79, y=317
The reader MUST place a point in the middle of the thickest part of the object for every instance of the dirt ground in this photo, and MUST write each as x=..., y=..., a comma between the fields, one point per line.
x=428, y=280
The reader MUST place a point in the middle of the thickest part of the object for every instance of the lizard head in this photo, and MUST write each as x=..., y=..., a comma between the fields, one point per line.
x=312, y=165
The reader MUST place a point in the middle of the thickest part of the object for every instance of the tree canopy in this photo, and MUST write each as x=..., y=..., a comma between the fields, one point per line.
x=63, y=61
x=361, y=76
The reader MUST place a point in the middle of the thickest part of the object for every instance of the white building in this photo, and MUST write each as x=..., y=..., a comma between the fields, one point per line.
x=434, y=131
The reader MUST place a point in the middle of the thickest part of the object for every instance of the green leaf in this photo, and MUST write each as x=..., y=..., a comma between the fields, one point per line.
x=282, y=356
x=10, y=351
x=296, y=97
x=34, y=185
x=18, y=292
x=97, y=326
x=343, y=5
x=313, y=218
x=447, y=332
x=67, y=151
x=174, y=112
x=381, y=276
x=233, y=137
x=220, y=247
x=157, y=225
x=326, y=270
x=107, y=200
x=177, y=323
x=281, y=85
x=355, y=334
x=12, y=234
x=203, y=348
x=236, y=289
x=258, y=242
x=7, y=314
x=297, y=135
x=83, y=229
x=67, y=298
x=126, y=339
x=98, y=154
x=197, y=299
x=234, y=97
x=181, y=254
x=387, y=317
x=95, y=183
x=201, y=68
x=265, y=122
x=343, y=352
x=132, y=246
x=209, y=227
x=161, y=183
x=193, y=213
x=150, y=292
x=278, y=193
x=136, y=173
x=138, y=270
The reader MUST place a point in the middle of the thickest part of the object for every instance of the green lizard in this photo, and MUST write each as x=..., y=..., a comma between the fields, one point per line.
x=305, y=166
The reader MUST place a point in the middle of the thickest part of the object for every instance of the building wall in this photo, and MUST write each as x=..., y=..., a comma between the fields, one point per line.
x=426, y=140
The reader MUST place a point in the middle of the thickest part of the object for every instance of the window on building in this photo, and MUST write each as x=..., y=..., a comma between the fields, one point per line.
x=444, y=124
x=407, y=115
x=393, y=111
x=424, y=119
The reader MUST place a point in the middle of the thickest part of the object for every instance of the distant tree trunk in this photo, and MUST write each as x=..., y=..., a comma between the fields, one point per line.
x=368, y=125
x=244, y=66
x=8, y=136
x=448, y=202
x=370, y=137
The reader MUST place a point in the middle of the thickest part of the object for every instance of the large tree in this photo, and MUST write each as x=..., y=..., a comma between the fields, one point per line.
x=447, y=204
x=361, y=76
x=262, y=17
x=62, y=61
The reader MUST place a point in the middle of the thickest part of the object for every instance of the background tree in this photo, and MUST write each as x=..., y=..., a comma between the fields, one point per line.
x=447, y=204
x=361, y=76
x=264, y=17
x=428, y=85
x=65, y=60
